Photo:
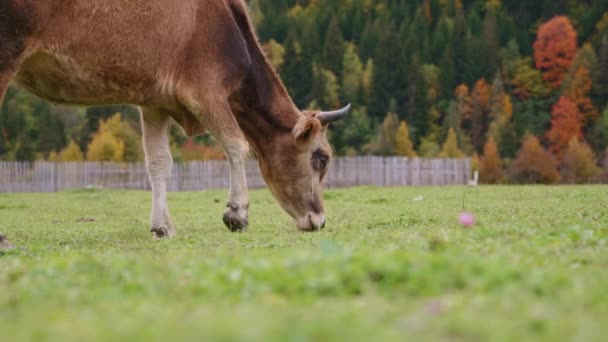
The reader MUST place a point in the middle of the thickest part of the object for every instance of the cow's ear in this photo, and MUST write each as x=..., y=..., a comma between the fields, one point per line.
x=306, y=128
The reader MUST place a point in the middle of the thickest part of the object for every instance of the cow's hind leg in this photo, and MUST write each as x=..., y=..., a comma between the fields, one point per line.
x=155, y=128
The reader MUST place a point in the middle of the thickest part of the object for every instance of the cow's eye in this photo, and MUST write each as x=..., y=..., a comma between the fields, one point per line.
x=320, y=159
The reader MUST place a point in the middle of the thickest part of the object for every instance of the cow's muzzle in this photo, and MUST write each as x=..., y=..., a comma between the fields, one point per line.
x=311, y=222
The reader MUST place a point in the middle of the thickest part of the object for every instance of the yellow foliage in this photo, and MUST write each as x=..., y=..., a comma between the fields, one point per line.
x=105, y=147
x=450, y=146
x=275, y=53
x=54, y=157
x=403, y=144
x=123, y=132
x=71, y=153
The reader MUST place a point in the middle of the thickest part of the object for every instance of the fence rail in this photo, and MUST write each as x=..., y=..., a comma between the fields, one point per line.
x=43, y=176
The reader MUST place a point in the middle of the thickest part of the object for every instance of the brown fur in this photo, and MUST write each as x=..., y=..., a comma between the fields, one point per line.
x=198, y=61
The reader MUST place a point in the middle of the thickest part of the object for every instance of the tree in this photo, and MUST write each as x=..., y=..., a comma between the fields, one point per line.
x=501, y=110
x=275, y=53
x=122, y=131
x=70, y=153
x=463, y=102
x=480, y=99
x=403, y=144
x=349, y=137
x=105, y=147
x=578, y=82
x=566, y=124
x=599, y=132
x=115, y=140
x=428, y=147
x=452, y=120
x=490, y=165
x=95, y=115
x=489, y=54
x=450, y=146
x=296, y=71
x=384, y=143
x=352, y=78
x=601, y=87
x=325, y=87
x=255, y=12
x=554, y=49
x=367, y=82
x=51, y=133
x=193, y=151
x=534, y=164
x=333, y=50
x=527, y=82
x=510, y=57
x=578, y=165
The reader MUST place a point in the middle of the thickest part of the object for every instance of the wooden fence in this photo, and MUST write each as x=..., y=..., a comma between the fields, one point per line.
x=43, y=176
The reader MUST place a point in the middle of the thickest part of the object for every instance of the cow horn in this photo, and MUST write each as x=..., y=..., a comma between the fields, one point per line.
x=328, y=117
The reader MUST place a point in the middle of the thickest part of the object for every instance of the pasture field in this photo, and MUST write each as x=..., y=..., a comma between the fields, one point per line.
x=387, y=268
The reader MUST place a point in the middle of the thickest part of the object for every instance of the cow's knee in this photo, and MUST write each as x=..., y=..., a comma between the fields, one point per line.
x=159, y=164
x=236, y=150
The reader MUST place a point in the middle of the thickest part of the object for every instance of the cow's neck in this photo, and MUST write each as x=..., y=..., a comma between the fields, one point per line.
x=263, y=108
x=264, y=126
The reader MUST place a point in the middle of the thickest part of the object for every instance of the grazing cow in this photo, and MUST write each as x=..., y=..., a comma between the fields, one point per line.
x=196, y=61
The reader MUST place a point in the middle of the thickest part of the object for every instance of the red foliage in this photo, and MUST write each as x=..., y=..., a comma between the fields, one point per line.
x=566, y=124
x=554, y=49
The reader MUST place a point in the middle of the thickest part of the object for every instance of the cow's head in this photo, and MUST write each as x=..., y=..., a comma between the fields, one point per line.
x=295, y=169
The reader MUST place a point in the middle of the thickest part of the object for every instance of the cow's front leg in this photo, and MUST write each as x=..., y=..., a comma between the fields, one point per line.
x=155, y=128
x=236, y=216
x=218, y=118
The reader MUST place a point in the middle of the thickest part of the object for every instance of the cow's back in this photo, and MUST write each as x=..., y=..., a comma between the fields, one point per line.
x=123, y=51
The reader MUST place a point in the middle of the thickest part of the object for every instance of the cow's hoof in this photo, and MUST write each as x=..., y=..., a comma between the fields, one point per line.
x=235, y=218
x=162, y=232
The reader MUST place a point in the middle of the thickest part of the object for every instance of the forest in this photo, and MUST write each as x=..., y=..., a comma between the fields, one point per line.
x=520, y=86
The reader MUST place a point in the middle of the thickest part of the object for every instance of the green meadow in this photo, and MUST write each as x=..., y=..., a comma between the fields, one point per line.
x=393, y=264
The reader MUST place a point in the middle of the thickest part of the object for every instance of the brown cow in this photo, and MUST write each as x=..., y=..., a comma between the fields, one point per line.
x=196, y=61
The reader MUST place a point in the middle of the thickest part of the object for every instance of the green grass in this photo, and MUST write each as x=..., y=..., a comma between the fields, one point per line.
x=535, y=267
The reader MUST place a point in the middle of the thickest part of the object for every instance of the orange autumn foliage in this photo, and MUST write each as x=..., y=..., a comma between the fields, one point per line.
x=566, y=124
x=490, y=165
x=480, y=104
x=463, y=101
x=534, y=164
x=481, y=92
x=554, y=49
x=192, y=151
